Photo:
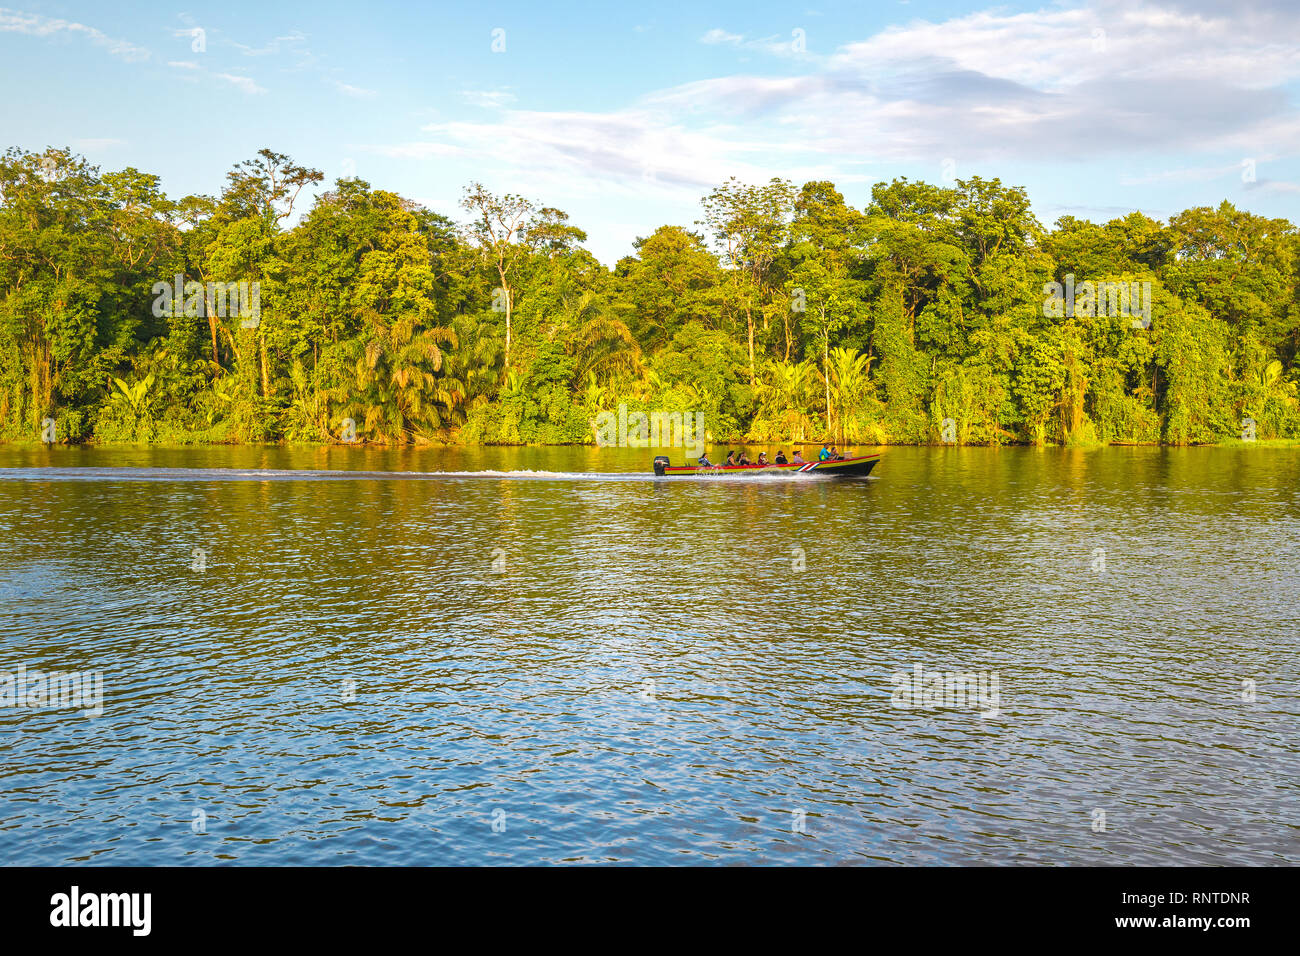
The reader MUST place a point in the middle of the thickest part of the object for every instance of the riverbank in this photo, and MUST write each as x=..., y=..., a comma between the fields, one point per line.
x=1224, y=443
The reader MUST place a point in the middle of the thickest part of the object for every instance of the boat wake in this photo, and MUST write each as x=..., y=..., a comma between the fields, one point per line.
x=290, y=474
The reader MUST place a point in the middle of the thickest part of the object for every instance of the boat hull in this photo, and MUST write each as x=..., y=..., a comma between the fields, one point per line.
x=858, y=467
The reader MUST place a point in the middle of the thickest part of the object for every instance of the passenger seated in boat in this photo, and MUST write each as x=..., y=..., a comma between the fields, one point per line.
x=824, y=454
x=743, y=459
x=731, y=459
x=798, y=457
x=835, y=454
x=704, y=461
x=780, y=458
x=762, y=458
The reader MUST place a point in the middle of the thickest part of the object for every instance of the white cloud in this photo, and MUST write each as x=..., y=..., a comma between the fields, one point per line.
x=1274, y=186
x=489, y=99
x=1041, y=86
x=1052, y=212
x=193, y=72
x=33, y=24
x=242, y=83
x=775, y=45
x=633, y=152
x=716, y=36
x=1051, y=87
x=349, y=90
x=1053, y=49
x=1192, y=174
x=294, y=43
x=414, y=150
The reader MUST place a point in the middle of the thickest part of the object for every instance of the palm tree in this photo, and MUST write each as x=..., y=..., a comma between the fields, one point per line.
x=395, y=377
x=470, y=371
x=784, y=392
x=594, y=394
x=848, y=384
x=1271, y=381
x=306, y=416
x=1272, y=395
x=603, y=344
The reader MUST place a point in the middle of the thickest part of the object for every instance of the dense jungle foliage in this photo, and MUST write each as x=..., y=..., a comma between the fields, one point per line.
x=783, y=314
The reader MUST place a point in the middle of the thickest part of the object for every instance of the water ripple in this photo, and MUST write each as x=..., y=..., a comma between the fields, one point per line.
x=376, y=662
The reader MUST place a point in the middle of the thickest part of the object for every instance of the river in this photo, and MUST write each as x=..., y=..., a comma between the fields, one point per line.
x=544, y=655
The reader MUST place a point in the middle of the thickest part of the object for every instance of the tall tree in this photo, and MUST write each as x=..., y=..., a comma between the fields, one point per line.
x=496, y=227
x=751, y=224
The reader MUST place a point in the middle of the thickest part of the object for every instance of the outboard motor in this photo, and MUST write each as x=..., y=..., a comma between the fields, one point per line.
x=661, y=465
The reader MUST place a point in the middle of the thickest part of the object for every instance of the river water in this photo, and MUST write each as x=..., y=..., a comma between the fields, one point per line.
x=525, y=656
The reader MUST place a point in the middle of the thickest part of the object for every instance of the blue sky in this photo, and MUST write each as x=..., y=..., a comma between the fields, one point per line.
x=625, y=115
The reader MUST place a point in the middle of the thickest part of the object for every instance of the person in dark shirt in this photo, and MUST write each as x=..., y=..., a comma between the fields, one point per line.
x=743, y=459
x=780, y=458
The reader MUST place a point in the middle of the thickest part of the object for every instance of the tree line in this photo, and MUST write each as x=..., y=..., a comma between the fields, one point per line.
x=783, y=314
